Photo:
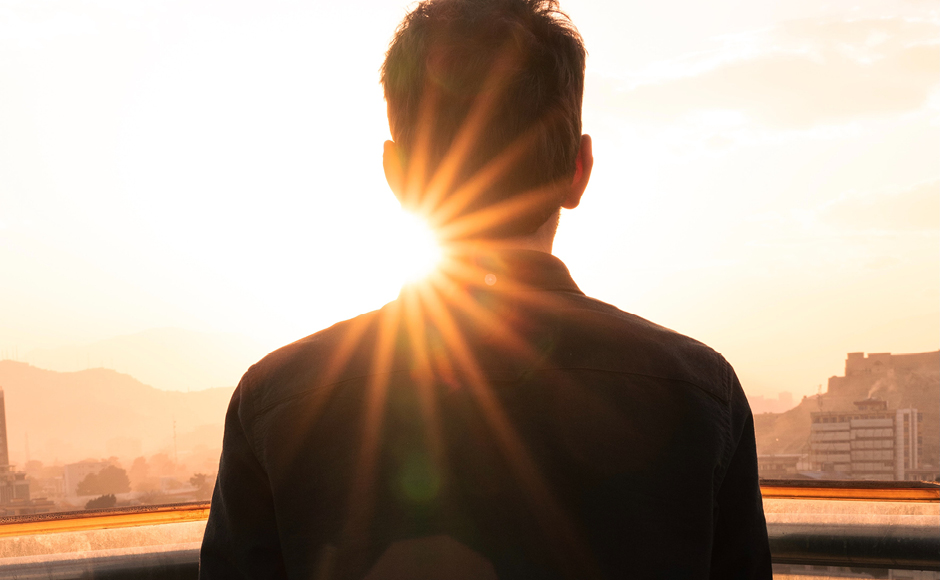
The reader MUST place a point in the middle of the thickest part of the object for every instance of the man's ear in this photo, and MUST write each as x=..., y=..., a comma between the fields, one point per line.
x=394, y=170
x=582, y=174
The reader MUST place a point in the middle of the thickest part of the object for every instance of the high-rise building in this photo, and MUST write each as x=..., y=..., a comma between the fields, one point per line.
x=4, y=450
x=871, y=442
x=14, y=489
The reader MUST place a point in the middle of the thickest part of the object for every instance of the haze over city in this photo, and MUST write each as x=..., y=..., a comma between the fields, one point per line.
x=765, y=180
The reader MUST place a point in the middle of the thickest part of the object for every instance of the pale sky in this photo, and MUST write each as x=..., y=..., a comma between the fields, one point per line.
x=766, y=176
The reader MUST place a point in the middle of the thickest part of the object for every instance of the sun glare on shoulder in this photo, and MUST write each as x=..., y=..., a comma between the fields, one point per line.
x=417, y=250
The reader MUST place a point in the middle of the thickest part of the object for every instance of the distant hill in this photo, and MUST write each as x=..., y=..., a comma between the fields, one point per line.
x=166, y=358
x=71, y=416
x=918, y=387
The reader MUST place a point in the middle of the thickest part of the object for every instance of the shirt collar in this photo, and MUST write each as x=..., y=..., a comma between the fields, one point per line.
x=510, y=270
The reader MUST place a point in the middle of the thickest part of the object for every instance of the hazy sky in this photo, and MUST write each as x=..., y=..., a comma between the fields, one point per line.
x=766, y=175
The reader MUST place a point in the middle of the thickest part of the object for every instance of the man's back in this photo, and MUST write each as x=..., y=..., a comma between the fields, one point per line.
x=498, y=424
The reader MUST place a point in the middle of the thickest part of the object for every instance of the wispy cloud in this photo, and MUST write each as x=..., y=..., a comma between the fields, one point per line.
x=916, y=208
x=799, y=74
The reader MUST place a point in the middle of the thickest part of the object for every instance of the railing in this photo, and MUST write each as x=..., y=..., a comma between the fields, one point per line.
x=854, y=524
x=151, y=542
x=881, y=525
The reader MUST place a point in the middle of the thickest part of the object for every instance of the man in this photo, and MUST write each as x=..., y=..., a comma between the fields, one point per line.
x=493, y=421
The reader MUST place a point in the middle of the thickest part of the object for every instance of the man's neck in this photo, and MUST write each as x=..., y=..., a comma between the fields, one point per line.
x=540, y=241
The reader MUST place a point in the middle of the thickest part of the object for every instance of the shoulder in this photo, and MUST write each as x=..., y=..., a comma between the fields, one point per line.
x=611, y=339
x=331, y=355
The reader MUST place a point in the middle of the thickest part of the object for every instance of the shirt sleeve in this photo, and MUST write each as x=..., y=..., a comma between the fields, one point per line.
x=741, y=549
x=241, y=539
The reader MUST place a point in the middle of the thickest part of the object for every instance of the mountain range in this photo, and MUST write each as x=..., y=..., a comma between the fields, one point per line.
x=171, y=359
x=62, y=417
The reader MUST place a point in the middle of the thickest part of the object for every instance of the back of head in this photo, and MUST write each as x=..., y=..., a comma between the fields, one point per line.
x=484, y=103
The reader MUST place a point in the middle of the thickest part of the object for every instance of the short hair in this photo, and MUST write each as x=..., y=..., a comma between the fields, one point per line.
x=514, y=69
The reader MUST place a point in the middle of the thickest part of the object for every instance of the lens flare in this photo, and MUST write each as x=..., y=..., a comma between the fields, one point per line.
x=418, y=251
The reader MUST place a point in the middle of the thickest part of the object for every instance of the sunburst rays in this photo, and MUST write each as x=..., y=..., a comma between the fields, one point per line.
x=432, y=318
x=447, y=171
x=361, y=496
x=435, y=317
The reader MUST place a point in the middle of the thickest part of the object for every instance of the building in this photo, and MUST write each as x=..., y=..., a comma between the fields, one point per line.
x=872, y=442
x=4, y=450
x=781, y=466
x=76, y=472
x=14, y=488
x=865, y=371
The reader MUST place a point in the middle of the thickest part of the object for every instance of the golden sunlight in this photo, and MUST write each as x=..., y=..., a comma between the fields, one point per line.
x=417, y=250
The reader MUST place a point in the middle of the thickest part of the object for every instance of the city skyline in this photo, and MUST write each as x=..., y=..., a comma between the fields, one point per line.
x=148, y=418
x=877, y=420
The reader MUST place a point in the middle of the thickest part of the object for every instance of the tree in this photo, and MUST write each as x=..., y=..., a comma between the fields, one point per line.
x=202, y=484
x=198, y=480
x=139, y=470
x=139, y=474
x=109, y=480
x=103, y=502
x=161, y=465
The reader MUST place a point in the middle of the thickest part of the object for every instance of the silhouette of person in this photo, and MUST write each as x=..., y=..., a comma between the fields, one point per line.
x=492, y=421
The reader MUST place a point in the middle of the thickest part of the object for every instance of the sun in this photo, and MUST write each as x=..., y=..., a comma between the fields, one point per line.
x=418, y=251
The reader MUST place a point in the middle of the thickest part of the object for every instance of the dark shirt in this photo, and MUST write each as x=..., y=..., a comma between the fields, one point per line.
x=494, y=422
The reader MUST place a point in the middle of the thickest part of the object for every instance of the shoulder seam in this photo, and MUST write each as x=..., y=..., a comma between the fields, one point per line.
x=290, y=397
